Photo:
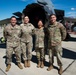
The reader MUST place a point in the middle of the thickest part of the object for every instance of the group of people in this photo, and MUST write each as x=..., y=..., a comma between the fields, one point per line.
x=19, y=40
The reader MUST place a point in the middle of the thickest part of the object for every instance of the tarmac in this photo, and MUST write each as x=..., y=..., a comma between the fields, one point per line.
x=68, y=58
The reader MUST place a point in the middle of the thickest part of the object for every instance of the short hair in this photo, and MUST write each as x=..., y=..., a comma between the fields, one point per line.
x=13, y=17
x=40, y=20
x=26, y=16
x=52, y=15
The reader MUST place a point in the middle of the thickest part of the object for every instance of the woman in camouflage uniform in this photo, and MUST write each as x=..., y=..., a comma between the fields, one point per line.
x=26, y=41
x=39, y=43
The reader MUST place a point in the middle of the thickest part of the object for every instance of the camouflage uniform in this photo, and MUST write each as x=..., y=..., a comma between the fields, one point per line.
x=12, y=35
x=26, y=40
x=39, y=44
x=57, y=33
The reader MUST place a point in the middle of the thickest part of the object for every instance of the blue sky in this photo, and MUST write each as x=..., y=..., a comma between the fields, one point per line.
x=69, y=6
x=7, y=7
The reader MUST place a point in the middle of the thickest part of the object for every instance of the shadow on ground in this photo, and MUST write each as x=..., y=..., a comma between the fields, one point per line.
x=72, y=39
x=69, y=54
x=66, y=54
x=3, y=45
x=69, y=38
x=13, y=59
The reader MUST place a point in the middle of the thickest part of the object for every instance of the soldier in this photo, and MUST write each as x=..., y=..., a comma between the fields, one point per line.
x=12, y=34
x=57, y=33
x=39, y=43
x=26, y=41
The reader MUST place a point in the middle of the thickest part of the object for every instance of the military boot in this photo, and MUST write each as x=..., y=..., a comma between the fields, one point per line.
x=28, y=63
x=39, y=63
x=8, y=67
x=25, y=63
x=42, y=64
x=61, y=70
x=20, y=66
x=50, y=67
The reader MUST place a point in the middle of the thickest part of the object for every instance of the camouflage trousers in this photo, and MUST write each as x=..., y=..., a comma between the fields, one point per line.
x=55, y=50
x=26, y=50
x=9, y=52
x=40, y=53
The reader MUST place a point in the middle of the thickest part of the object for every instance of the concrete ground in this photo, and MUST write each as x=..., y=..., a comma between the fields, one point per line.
x=69, y=61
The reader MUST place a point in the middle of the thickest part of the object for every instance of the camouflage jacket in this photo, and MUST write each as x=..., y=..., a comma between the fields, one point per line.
x=12, y=34
x=40, y=37
x=56, y=33
x=27, y=31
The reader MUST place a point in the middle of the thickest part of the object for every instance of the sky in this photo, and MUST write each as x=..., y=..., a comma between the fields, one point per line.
x=7, y=7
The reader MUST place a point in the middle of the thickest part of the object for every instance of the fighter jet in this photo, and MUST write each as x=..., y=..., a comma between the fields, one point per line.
x=39, y=9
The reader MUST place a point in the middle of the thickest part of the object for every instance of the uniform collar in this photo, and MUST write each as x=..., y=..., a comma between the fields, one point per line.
x=13, y=26
x=52, y=25
x=41, y=28
x=26, y=24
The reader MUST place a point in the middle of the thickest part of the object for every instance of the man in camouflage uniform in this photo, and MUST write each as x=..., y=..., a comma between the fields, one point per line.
x=26, y=41
x=12, y=34
x=57, y=33
x=39, y=44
